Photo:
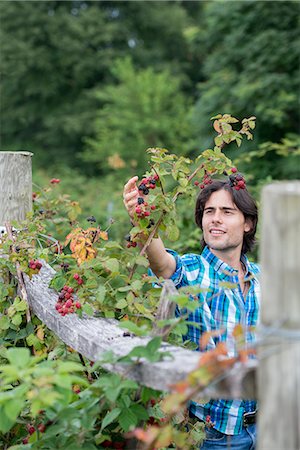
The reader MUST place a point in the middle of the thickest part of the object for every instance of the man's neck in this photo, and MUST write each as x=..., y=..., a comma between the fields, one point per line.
x=232, y=257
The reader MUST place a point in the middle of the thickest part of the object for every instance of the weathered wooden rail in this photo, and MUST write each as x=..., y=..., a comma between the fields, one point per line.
x=278, y=388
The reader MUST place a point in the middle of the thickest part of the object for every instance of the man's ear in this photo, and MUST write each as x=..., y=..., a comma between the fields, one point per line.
x=248, y=225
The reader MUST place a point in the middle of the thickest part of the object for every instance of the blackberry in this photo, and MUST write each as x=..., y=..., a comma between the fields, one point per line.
x=141, y=200
x=142, y=186
x=128, y=238
x=146, y=191
x=151, y=223
x=91, y=219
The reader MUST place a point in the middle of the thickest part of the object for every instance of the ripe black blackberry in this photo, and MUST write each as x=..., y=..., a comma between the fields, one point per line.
x=141, y=200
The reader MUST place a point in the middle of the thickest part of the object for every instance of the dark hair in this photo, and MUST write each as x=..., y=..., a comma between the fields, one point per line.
x=241, y=198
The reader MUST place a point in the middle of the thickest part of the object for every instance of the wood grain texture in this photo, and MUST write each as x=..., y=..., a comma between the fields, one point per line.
x=279, y=366
x=15, y=186
x=93, y=336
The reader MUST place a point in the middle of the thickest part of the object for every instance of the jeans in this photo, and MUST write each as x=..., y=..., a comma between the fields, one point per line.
x=215, y=440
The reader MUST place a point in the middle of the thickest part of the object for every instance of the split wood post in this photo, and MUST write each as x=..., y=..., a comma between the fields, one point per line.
x=15, y=186
x=279, y=354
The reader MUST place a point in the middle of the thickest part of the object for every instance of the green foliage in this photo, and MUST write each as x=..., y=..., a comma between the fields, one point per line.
x=48, y=399
x=250, y=65
x=59, y=54
x=145, y=109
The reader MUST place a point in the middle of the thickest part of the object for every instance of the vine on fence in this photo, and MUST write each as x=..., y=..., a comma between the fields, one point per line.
x=51, y=397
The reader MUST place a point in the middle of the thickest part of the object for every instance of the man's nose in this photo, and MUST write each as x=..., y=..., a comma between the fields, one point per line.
x=217, y=217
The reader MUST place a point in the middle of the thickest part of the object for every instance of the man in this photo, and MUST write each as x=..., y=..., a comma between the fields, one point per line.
x=229, y=293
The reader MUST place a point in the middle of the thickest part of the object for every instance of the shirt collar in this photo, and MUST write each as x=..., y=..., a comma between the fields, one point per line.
x=225, y=271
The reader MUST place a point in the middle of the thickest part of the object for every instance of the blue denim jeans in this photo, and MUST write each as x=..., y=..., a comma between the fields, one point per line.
x=214, y=440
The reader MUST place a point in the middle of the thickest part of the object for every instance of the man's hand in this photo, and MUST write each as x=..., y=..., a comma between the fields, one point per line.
x=130, y=196
x=162, y=263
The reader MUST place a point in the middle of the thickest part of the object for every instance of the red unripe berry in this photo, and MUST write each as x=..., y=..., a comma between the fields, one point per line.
x=67, y=295
x=233, y=169
x=202, y=186
x=78, y=305
x=196, y=183
x=30, y=428
x=25, y=441
x=156, y=177
x=146, y=213
x=70, y=290
x=33, y=266
x=39, y=265
x=80, y=281
x=152, y=401
x=153, y=207
x=106, y=444
x=241, y=184
x=133, y=244
x=76, y=276
x=42, y=427
x=65, y=288
x=128, y=245
x=119, y=444
x=69, y=303
x=138, y=210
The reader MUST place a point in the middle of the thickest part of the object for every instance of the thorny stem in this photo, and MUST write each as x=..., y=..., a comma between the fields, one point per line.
x=19, y=273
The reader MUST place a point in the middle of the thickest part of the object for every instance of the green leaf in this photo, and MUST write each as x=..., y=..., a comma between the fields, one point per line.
x=88, y=309
x=110, y=417
x=58, y=282
x=121, y=303
x=112, y=264
x=127, y=419
x=172, y=232
x=142, y=261
x=3, y=292
x=17, y=319
x=131, y=326
x=139, y=411
x=13, y=408
x=100, y=294
x=19, y=357
x=4, y=323
x=5, y=422
x=20, y=305
x=136, y=285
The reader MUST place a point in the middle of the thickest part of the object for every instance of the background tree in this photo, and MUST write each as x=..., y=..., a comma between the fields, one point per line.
x=145, y=109
x=55, y=54
x=251, y=66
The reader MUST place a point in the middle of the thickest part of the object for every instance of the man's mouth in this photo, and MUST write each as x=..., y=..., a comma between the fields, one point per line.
x=216, y=232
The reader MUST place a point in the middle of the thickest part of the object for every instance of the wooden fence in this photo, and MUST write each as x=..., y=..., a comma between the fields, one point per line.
x=276, y=380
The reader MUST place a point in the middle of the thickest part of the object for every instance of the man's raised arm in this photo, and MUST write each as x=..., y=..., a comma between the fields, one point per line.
x=161, y=262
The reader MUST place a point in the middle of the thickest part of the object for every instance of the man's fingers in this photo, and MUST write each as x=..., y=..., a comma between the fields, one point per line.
x=131, y=184
x=131, y=195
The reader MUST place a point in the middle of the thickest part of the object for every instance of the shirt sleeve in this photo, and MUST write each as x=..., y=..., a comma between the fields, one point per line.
x=185, y=266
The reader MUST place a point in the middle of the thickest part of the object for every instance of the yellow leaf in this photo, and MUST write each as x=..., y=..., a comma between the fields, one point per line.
x=40, y=334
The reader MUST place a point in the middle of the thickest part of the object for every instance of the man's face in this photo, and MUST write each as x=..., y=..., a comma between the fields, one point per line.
x=223, y=223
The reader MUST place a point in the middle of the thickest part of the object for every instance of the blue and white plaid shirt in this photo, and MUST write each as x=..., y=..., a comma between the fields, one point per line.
x=222, y=306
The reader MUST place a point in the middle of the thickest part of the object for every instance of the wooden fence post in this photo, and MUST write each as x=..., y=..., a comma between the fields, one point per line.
x=279, y=354
x=15, y=186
